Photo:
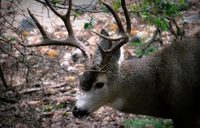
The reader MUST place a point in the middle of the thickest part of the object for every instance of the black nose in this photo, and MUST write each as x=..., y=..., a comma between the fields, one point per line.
x=78, y=113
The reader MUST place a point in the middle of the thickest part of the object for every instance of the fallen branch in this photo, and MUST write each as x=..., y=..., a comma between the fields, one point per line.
x=59, y=85
x=30, y=90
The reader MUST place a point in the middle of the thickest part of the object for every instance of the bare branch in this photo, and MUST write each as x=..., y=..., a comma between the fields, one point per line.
x=3, y=78
x=70, y=41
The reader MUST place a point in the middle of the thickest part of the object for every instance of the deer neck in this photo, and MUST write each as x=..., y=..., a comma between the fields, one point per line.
x=138, y=87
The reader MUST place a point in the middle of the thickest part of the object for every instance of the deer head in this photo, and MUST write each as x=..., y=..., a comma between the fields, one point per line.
x=98, y=80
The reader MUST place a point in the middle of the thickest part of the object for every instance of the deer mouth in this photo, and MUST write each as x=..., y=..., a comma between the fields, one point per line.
x=78, y=113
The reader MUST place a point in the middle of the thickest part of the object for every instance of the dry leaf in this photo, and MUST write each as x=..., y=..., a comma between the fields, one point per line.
x=43, y=49
x=25, y=33
x=70, y=79
x=52, y=53
x=113, y=26
x=20, y=125
x=134, y=31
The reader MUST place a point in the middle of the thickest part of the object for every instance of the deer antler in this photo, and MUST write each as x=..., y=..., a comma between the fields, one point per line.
x=123, y=35
x=70, y=41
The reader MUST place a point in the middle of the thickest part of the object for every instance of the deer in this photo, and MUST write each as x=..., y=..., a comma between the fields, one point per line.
x=165, y=84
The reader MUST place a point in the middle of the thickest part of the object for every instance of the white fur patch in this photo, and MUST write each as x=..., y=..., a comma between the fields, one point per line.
x=82, y=101
x=102, y=78
x=121, y=58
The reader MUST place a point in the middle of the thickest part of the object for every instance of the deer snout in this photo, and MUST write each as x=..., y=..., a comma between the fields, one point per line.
x=78, y=113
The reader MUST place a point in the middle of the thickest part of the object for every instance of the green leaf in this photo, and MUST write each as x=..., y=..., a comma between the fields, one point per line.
x=143, y=4
x=76, y=13
x=86, y=25
x=182, y=2
x=12, y=38
x=56, y=1
x=138, y=51
x=150, y=21
x=64, y=114
x=167, y=7
x=157, y=1
x=158, y=22
x=89, y=23
x=164, y=26
x=104, y=9
x=136, y=43
x=116, y=4
x=156, y=123
x=150, y=49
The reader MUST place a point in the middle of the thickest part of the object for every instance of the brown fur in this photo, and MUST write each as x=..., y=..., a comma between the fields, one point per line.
x=165, y=84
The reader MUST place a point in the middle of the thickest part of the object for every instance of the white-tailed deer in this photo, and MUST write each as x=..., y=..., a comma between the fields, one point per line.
x=165, y=84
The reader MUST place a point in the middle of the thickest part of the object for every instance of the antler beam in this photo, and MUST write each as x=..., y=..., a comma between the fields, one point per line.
x=71, y=39
x=123, y=36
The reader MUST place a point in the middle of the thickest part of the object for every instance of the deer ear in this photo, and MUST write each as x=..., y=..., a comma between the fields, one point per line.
x=105, y=44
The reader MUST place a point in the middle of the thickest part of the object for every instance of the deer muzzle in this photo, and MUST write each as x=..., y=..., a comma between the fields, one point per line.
x=78, y=113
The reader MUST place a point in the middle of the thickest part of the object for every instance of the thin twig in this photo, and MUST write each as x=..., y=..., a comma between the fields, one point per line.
x=153, y=38
x=3, y=78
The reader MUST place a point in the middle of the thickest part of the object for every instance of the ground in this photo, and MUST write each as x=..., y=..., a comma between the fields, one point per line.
x=49, y=105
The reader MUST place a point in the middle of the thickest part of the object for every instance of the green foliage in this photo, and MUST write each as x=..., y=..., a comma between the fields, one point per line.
x=89, y=23
x=12, y=38
x=150, y=50
x=138, y=51
x=49, y=108
x=60, y=105
x=158, y=12
x=116, y=4
x=76, y=13
x=56, y=1
x=147, y=51
x=157, y=123
x=136, y=43
x=103, y=8
x=64, y=114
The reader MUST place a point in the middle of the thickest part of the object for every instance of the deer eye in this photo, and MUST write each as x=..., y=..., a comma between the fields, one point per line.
x=99, y=85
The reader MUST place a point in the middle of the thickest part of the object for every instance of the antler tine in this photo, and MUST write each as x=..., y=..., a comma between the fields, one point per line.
x=123, y=36
x=117, y=19
x=122, y=33
x=70, y=41
x=128, y=20
x=65, y=18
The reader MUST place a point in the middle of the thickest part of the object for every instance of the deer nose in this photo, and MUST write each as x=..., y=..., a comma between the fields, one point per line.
x=78, y=113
